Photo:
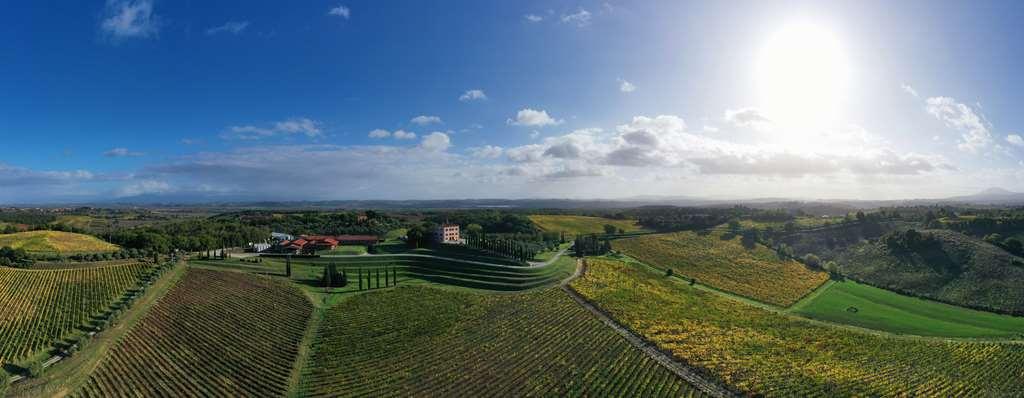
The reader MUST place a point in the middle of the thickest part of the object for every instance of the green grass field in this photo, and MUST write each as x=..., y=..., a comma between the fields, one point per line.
x=577, y=225
x=56, y=242
x=345, y=250
x=861, y=305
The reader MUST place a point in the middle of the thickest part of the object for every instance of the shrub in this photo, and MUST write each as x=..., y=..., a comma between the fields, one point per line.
x=668, y=272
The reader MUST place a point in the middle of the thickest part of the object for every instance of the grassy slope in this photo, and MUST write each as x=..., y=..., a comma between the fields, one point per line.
x=724, y=262
x=56, y=242
x=966, y=271
x=892, y=312
x=420, y=341
x=580, y=224
x=761, y=352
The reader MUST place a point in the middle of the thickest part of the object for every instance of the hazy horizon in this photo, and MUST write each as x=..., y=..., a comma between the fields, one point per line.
x=119, y=100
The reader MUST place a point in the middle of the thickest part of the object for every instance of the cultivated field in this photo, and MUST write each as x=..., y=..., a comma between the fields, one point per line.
x=762, y=352
x=40, y=306
x=56, y=242
x=421, y=341
x=215, y=334
x=581, y=225
x=858, y=304
x=723, y=262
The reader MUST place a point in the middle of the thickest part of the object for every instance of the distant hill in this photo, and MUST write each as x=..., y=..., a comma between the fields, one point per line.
x=942, y=265
x=993, y=196
x=56, y=242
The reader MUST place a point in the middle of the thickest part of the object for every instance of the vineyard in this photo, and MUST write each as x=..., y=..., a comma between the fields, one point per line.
x=581, y=225
x=761, y=352
x=41, y=306
x=214, y=334
x=724, y=262
x=421, y=341
x=56, y=242
x=414, y=270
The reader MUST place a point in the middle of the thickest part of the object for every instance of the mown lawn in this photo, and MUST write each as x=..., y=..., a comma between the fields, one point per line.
x=866, y=306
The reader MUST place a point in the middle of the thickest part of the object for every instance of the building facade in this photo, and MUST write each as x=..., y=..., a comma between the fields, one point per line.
x=447, y=233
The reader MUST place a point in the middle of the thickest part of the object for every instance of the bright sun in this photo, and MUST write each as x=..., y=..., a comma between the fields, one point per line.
x=802, y=78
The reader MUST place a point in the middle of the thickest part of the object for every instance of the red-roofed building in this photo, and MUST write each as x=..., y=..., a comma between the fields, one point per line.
x=314, y=243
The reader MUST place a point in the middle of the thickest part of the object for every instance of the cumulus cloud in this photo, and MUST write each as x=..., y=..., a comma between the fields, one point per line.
x=486, y=152
x=533, y=118
x=1015, y=140
x=340, y=11
x=397, y=134
x=975, y=133
x=232, y=27
x=305, y=126
x=533, y=18
x=747, y=117
x=404, y=135
x=121, y=153
x=580, y=18
x=379, y=133
x=626, y=87
x=129, y=18
x=424, y=120
x=435, y=142
x=564, y=150
x=473, y=95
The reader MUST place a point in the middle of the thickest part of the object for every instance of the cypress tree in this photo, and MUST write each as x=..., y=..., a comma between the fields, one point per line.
x=288, y=266
x=360, y=279
x=378, y=278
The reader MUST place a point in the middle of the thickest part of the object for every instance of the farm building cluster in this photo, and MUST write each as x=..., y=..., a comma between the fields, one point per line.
x=310, y=244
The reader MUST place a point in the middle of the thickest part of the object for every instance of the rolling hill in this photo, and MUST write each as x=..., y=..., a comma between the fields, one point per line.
x=56, y=242
x=943, y=265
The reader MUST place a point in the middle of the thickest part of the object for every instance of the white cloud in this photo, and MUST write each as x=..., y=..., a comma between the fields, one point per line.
x=436, y=142
x=1015, y=140
x=579, y=18
x=626, y=87
x=909, y=90
x=397, y=134
x=404, y=135
x=129, y=18
x=232, y=27
x=533, y=18
x=710, y=129
x=143, y=187
x=534, y=118
x=486, y=152
x=975, y=133
x=379, y=133
x=121, y=153
x=473, y=95
x=340, y=11
x=424, y=120
x=747, y=117
x=305, y=126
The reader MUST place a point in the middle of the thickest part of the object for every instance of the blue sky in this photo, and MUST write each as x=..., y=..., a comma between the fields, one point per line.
x=582, y=99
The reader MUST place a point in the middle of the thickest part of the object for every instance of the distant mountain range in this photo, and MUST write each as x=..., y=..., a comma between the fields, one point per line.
x=991, y=196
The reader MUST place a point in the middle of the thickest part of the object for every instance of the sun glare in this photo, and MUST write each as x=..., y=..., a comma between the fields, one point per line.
x=802, y=77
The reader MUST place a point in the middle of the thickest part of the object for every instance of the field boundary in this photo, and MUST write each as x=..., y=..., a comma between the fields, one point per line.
x=651, y=350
